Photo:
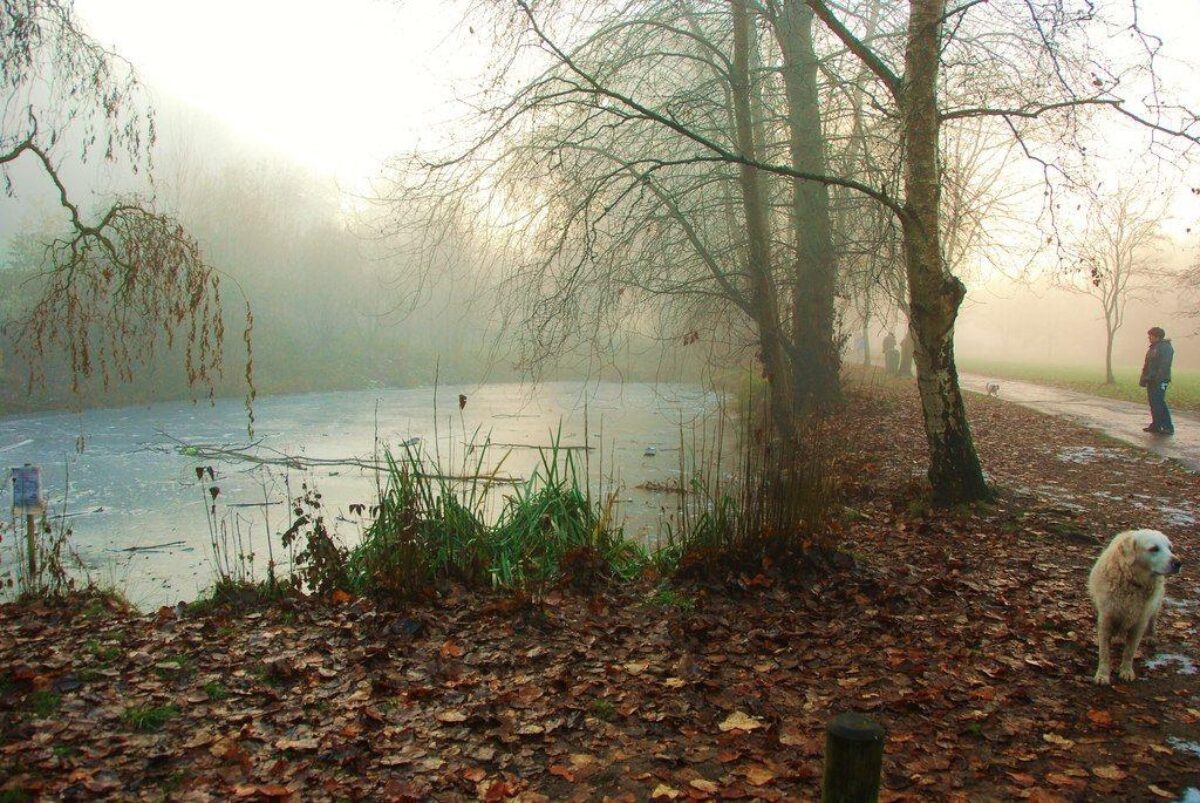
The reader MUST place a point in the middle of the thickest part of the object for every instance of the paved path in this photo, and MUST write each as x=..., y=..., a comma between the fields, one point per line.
x=1118, y=419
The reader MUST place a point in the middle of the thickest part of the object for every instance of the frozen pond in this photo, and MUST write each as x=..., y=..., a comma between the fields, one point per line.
x=121, y=492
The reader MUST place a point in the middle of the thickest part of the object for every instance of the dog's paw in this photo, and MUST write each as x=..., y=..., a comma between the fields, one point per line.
x=1103, y=678
x=1126, y=673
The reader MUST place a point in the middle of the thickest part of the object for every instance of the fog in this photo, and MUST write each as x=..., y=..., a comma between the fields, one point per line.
x=347, y=293
x=1041, y=323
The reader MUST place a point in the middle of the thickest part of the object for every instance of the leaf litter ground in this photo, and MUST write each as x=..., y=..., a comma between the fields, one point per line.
x=968, y=634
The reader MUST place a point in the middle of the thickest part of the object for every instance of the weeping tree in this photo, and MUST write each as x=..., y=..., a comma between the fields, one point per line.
x=122, y=278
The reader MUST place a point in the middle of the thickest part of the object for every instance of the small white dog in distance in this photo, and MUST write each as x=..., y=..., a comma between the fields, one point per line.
x=1126, y=586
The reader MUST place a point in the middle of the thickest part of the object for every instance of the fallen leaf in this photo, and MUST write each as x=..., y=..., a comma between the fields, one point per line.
x=1023, y=779
x=1055, y=739
x=664, y=792
x=740, y=721
x=298, y=744
x=757, y=775
x=1110, y=772
x=704, y=785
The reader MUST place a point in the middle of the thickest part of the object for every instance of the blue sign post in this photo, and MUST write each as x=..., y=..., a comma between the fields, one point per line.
x=28, y=501
x=27, y=490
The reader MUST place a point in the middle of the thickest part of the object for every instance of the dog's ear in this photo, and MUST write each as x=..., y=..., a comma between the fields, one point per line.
x=1128, y=546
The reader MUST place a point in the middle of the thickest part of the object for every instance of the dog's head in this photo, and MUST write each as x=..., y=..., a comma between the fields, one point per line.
x=1152, y=549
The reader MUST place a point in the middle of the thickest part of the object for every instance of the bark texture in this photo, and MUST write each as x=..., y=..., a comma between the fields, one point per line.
x=817, y=362
x=935, y=293
x=763, y=292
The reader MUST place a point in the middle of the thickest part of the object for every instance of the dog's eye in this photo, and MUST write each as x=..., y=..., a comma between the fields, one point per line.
x=1153, y=549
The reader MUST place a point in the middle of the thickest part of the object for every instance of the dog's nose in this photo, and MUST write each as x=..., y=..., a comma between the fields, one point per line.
x=1176, y=565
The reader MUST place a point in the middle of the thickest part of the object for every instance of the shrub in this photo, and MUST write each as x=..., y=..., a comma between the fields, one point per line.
x=431, y=524
x=775, y=516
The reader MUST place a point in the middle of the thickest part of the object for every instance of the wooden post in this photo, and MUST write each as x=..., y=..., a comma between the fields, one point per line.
x=31, y=544
x=853, y=759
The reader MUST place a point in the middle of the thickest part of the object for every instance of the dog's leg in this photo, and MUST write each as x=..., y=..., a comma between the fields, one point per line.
x=1151, y=636
x=1125, y=670
x=1103, y=637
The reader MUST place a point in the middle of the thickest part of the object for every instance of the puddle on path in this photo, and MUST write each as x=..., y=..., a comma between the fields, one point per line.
x=1092, y=454
x=1184, y=746
x=1185, y=665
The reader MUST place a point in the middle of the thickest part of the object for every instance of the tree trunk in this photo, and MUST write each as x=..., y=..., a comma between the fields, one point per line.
x=866, y=336
x=935, y=294
x=1109, y=378
x=817, y=361
x=763, y=295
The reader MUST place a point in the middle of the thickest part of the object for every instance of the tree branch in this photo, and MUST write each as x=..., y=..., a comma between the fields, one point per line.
x=869, y=57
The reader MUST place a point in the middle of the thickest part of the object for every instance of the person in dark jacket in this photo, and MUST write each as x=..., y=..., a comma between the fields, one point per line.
x=1156, y=375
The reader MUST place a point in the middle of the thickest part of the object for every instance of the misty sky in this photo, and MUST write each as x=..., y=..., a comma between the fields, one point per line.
x=341, y=88
x=338, y=87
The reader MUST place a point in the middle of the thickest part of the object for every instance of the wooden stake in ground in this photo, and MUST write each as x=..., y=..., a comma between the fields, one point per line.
x=31, y=544
x=853, y=759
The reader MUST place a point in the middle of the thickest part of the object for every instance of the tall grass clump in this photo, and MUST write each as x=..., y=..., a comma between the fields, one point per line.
x=431, y=525
x=774, y=513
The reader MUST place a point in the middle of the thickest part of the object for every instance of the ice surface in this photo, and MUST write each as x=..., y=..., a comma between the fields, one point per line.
x=119, y=493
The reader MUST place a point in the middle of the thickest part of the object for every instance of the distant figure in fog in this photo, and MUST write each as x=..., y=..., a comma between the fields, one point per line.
x=906, y=354
x=891, y=357
x=1156, y=375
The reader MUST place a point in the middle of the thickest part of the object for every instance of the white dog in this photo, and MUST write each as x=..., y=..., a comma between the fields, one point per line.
x=1126, y=586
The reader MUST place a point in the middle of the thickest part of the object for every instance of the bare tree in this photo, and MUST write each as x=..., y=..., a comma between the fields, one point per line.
x=122, y=279
x=1114, y=251
x=626, y=73
x=1034, y=70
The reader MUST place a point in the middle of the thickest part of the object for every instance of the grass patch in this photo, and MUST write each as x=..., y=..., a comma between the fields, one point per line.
x=43, y=703
x=15, y=796
x=669, y=598
x=148, y=718
x=215, y=691
x=1184, y=394
x=103, y=653
x=603, y=709
x=175, y=666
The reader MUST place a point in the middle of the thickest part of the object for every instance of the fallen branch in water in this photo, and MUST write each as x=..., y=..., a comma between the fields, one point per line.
x=549, y=448
x=145, y=548
x=274, y=457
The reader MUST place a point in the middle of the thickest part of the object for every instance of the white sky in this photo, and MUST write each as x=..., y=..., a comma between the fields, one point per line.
x=337, y=86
